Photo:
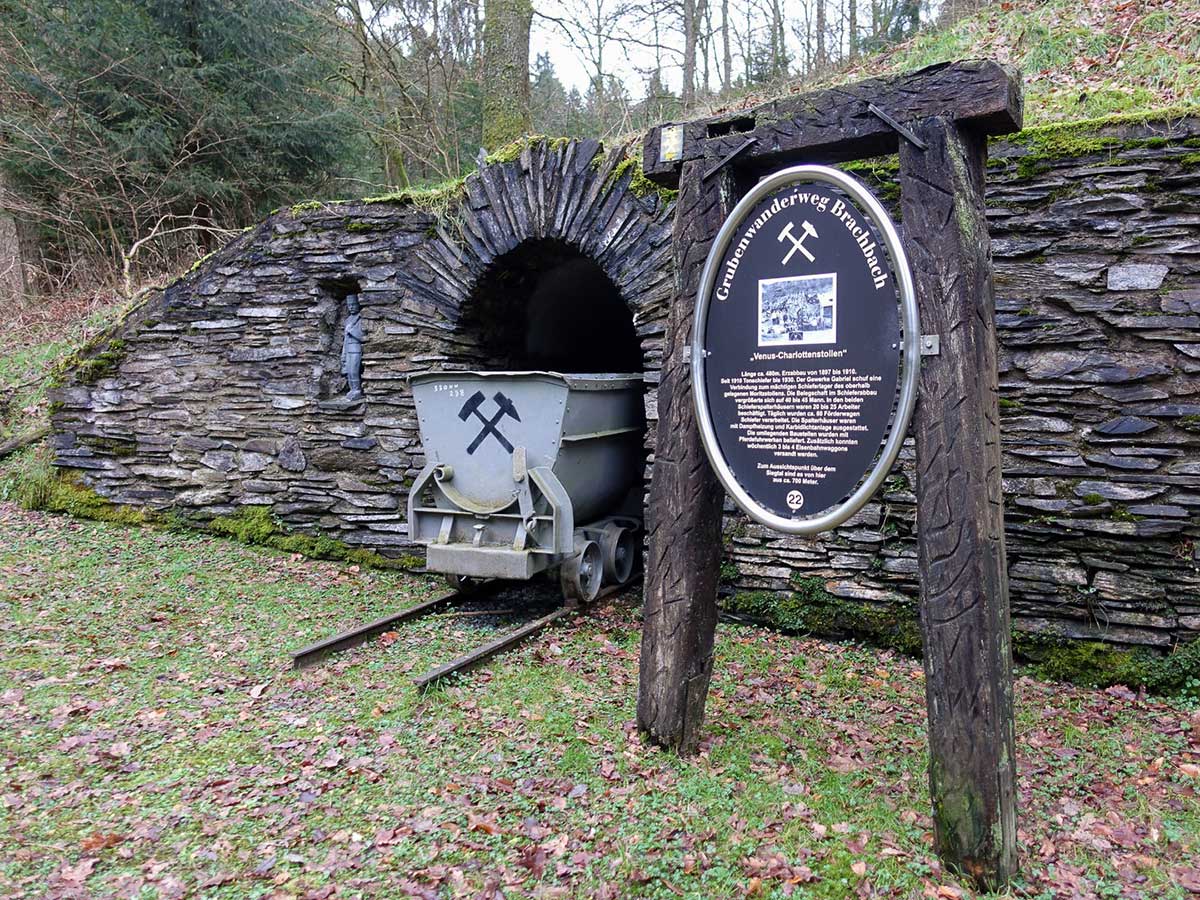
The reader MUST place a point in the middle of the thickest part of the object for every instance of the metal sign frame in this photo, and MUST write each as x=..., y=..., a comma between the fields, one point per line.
x=910, y=356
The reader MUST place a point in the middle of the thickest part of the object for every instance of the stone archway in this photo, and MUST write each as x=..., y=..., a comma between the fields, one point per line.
x=575, y=201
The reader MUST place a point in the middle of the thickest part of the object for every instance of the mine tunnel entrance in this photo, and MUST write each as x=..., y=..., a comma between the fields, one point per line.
x=536, y=473
x=547, y=306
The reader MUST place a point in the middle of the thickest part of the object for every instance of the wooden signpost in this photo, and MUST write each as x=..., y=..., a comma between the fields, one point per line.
x=939, y=119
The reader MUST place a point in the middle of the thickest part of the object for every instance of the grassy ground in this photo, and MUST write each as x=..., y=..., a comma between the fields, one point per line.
x=154, y=743
x=32, y=341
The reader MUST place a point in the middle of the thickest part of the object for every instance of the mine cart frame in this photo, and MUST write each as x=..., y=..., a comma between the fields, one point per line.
x=483, y=517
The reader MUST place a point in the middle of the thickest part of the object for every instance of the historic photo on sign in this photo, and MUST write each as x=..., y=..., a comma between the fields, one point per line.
x=797, y=310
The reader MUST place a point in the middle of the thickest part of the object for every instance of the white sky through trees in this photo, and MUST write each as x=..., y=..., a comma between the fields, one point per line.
x=629, y=58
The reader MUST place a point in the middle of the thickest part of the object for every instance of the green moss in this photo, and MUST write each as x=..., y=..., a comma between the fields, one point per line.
x=729, y=571
x=811, y=609
x=880, y=173
x=436, y=199
x=1121, y=514
x=36, y=484
x=90, y=363
x=512, y=151
x=1005, y=403
x=307, y=206
x=1094, y=664
x=1030, y=167
x=257, y=525
x=1093, y=499
x=1085, y=137
x=639, y=184
x=33, y=482
x=1189, y=423
x=116, y=446
x=879, y=168
x=199, y=262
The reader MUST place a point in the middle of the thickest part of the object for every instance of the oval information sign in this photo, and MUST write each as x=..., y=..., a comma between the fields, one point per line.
x=804, y=353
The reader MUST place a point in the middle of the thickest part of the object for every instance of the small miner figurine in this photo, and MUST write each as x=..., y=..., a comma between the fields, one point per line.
x=352, y=344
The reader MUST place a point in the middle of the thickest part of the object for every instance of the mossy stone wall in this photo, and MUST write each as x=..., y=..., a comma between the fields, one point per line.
x=220, y=394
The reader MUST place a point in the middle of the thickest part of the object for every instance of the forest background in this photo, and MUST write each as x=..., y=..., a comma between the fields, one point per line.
x=136, y=135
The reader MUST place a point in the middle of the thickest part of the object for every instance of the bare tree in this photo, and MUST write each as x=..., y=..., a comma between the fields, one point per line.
x=821, y=61
x=852, y=16
x=726, y=56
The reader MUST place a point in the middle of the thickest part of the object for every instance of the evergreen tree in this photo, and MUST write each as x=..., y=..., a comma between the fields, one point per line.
x=549, y=102
x=118, y=113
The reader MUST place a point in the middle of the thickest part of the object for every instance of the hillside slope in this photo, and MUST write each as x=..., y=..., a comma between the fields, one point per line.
x=1081, y=59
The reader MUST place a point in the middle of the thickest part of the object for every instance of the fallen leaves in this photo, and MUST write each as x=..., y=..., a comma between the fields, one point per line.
x=485, y=824
x=79, y=872
x=99, y=840
x=533, y=783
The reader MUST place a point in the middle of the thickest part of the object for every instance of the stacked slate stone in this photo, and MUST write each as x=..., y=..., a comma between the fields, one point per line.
x=228, y=391
x=1096, y=246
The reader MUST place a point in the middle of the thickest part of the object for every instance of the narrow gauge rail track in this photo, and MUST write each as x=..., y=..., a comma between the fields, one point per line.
x=354, y=637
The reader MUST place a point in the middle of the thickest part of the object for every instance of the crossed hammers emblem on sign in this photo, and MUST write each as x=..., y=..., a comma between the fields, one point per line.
x=798, y=242
x=506, y=408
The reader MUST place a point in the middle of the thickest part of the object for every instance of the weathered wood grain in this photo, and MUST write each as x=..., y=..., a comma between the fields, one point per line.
x=683, y=518
x=960, y=513
x=835, y=124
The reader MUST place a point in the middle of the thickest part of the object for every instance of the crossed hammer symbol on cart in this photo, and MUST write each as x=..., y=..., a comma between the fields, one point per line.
x=506, y=408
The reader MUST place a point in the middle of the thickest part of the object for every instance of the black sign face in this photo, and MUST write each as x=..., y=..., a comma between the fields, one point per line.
x=799, y=347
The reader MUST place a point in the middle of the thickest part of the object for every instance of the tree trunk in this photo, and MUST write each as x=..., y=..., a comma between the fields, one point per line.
x=778, y=42
x=684, y=513
x=13, y=288
x=820, y=62
x=853, y=29
x=726, y=56
x=960, y=512
x=506, y=115
x=689, y=52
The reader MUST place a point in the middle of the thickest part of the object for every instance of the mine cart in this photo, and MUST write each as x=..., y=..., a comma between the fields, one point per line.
x=528, y=471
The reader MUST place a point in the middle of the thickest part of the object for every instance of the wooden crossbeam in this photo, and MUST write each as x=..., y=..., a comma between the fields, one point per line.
x=835, y=124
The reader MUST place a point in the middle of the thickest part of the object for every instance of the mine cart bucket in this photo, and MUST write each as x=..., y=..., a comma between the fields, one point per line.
x=515, y=461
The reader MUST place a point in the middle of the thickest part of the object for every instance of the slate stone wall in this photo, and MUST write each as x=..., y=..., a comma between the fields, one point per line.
x=223, y=392
x=1096, y=245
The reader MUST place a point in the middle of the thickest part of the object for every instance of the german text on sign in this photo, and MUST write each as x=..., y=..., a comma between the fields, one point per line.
x=805, y=354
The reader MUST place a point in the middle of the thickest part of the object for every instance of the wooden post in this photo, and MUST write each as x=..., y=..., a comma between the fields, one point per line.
x=684, y=515
x=960, y=514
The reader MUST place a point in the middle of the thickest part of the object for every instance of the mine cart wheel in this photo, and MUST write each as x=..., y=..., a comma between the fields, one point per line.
x=463, y=583
x=618, y=546
x=581, y=574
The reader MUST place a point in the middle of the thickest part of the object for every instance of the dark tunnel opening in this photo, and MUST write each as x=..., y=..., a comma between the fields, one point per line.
x=546, y=306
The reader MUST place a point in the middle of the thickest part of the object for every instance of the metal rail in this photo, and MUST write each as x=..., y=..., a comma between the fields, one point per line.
x=314, y=653
x=470, y=660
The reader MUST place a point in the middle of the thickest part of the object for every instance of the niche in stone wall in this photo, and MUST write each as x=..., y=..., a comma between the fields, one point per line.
x=545, y=305
x=331, y=320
